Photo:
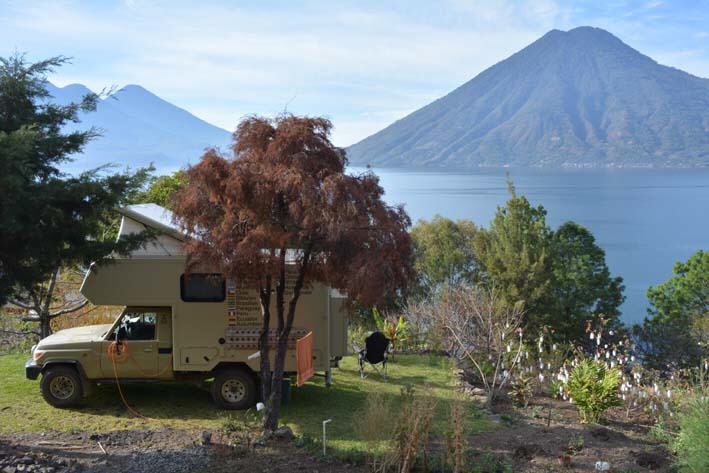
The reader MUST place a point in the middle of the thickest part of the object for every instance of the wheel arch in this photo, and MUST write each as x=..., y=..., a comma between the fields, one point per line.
x=85, y=383
x=225, y=365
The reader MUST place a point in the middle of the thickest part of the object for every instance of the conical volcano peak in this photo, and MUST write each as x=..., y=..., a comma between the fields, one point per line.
x=577, y=98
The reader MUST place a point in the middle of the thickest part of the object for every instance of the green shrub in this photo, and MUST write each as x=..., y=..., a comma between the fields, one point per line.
x=522, y=391
x=576, y=444
x=693, y=441
x=593, y=388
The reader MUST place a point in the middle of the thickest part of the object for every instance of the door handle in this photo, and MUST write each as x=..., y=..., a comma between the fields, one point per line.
x=147, y=350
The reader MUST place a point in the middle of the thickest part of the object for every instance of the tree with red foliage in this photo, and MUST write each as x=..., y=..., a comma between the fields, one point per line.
x=284, y=203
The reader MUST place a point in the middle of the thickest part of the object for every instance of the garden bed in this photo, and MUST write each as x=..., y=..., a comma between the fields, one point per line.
x=177, y=414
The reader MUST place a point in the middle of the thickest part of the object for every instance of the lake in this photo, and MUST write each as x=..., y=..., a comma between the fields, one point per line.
x=645, y=220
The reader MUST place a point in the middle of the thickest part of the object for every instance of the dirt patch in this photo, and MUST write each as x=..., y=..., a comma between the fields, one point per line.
x=154, y=451
x=530, y=440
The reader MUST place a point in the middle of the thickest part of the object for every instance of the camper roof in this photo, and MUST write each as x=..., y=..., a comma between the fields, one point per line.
x=153, y=216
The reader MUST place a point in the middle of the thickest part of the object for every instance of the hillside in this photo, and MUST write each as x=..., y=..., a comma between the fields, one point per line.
x=581, y=98
x=138, y=128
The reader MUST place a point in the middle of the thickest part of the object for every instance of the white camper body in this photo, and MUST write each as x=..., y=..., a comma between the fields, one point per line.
x=212, y=322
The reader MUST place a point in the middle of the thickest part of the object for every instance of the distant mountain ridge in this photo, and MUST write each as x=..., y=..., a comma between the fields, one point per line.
x=581, y=98
x=139, y=128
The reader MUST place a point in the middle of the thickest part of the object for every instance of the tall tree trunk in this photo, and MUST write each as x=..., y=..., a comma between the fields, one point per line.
x=273, y=402
x=45, y=327
x=274, y=411
x=264, y=347
x=284, y=326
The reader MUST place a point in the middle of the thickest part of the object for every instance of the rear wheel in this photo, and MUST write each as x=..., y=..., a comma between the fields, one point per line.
x=234, y=389
x=61, y=386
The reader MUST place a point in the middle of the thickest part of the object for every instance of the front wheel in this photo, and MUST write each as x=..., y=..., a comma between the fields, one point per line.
x=234, y=389
x=61, y=386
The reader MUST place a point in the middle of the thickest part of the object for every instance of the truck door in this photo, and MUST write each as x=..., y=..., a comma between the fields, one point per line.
x=138, y=351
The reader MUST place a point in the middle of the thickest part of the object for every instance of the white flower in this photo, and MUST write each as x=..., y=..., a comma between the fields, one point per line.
x=541, y=378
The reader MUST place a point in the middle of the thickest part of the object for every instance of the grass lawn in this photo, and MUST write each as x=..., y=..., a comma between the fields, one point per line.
x=22, y=408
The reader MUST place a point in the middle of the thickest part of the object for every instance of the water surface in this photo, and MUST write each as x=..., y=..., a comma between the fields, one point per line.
x=645, y=220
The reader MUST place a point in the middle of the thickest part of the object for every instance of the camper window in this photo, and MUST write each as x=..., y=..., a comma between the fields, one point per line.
x=202, y=287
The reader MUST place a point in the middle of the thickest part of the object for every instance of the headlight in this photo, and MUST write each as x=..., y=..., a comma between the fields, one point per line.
x=37, y=354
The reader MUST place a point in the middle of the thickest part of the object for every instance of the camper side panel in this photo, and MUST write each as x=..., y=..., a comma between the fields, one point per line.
x=205, y=334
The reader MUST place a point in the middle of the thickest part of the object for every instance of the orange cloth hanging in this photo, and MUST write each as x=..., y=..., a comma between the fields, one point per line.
x=304, y=358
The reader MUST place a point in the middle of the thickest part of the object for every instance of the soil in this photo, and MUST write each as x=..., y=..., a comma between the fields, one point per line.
x=155, y=451
x=530, y=441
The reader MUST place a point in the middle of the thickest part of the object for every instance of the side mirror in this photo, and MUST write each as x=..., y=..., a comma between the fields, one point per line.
x=120, y=334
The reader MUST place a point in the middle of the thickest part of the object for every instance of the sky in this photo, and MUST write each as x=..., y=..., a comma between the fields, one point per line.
x=363, y=64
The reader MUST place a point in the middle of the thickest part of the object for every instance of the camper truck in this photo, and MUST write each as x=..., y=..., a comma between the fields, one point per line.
x=177, y=325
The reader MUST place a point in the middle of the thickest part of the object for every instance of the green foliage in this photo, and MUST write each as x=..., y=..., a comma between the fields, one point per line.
x=582, y=284
x=47, y=219
x=594, y=389
x=161, y=189
x=693, y=440
x=394, y=329
x=575, y=445
x=561, y=276
x=555, y=388
x=488, y=462
x=678, y=326
x=515, y=257
x=521, y=391
x=443, y=251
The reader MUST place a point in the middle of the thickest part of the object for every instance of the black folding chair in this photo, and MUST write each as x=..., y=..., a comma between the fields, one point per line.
x=375, y=352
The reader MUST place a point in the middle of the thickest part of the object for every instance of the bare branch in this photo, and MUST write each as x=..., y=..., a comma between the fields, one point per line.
x=21, y=305
x=69, y=310
x=15, y=332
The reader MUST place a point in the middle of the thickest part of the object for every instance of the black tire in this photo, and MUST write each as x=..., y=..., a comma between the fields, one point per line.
x=61, y=386
x=234, y=389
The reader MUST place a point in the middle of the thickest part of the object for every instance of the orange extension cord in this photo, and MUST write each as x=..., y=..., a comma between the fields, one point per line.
x=119, y=353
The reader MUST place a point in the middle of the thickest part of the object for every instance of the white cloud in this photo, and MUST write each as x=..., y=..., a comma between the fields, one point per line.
x=198, y=57
x=361, y=65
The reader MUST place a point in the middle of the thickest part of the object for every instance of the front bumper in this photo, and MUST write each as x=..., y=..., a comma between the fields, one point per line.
x=32, y=369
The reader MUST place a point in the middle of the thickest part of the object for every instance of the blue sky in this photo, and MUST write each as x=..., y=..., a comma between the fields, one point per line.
x=362, y=63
